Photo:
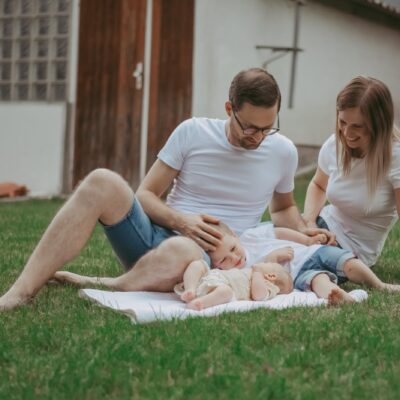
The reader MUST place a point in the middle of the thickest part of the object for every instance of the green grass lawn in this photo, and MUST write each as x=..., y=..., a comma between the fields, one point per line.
x=63, y=347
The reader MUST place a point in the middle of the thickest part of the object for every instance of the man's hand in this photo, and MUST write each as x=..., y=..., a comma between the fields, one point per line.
x=316, y=234
x=198, y=228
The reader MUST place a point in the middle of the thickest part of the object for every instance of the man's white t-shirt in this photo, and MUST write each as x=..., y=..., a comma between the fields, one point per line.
x=228, y=182
x=260, y=241
x=360, y=224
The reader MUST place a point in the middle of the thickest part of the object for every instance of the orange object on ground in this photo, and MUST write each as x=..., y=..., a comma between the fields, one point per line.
x=11, y=189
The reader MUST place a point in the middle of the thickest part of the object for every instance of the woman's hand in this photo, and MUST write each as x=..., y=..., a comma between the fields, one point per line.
x=319, y=238
x=317, y=234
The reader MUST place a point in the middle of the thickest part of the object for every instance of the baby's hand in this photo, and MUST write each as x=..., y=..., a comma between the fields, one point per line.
x=284, y=254
x=319, y=238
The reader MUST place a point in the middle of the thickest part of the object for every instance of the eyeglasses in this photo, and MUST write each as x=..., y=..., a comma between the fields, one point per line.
x=253, y=130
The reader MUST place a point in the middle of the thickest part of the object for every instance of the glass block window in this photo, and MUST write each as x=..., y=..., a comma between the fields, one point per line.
x=34, y=43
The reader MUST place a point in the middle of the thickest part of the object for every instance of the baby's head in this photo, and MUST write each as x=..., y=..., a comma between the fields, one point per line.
x=230, y=253
x=276, y=274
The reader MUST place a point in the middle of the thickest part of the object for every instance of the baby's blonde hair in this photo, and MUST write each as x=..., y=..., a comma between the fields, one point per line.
x=223, y=228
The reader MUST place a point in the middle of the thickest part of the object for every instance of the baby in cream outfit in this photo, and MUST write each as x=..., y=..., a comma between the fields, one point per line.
x=230, y=285
x=229, y=281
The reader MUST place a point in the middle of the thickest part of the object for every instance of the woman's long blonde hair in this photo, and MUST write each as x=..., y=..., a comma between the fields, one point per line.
x=376, y=106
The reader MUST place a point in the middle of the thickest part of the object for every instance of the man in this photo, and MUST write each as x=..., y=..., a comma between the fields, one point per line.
x=222, y=170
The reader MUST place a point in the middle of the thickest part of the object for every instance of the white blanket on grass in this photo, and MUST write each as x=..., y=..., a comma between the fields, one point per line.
x=143, y=307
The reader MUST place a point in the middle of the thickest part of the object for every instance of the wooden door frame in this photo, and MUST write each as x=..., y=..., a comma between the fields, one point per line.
x=157, y=133
x=108, y=106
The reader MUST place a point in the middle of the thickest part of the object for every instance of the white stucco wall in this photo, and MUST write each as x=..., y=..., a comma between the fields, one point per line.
x=31, y=146
x=32, y=135
x=337, y=46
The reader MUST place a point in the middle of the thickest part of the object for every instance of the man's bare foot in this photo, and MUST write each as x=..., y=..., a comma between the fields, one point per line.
x=196, y=305
x=339, y=296
x=188, y=295
x=390, y=287
x=69, y=277
x=9, y=301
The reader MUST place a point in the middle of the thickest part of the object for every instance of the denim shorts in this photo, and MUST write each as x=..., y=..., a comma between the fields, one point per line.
x=321, y=223
x=327, y=260
x=135, y=235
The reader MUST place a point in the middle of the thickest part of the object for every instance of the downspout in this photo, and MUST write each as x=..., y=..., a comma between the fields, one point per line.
x=146, y=90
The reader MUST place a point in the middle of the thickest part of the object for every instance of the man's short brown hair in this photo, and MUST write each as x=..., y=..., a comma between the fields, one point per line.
x=255, y=86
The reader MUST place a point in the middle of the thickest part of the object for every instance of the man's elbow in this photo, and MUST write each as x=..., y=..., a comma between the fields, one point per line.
x=278, y=205
x=277, y=211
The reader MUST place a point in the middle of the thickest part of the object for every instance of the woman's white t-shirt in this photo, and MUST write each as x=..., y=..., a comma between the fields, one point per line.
x=361, y=224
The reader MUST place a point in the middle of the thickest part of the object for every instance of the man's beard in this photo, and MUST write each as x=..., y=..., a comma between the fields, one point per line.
x=249, y=144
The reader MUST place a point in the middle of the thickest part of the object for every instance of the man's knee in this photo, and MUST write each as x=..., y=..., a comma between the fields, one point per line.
x=180, y=247
x=102, y=178
x=105, y=187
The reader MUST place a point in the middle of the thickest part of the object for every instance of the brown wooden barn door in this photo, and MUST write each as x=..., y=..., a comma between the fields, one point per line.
x=109, y=98
x=171, y=70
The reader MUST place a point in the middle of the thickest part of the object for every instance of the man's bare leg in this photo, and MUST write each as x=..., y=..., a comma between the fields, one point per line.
x=162, y=268
x=158, y=270
x=103, y=195
x=324, y=288
x=220, y=295
x=357, y=272
x=83, y=281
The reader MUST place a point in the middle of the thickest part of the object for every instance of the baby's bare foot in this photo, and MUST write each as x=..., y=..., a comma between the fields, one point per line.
x=339, y=296
x=195, y=305
x=188, y=295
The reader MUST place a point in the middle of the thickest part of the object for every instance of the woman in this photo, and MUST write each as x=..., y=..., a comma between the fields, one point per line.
x=358, y=171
